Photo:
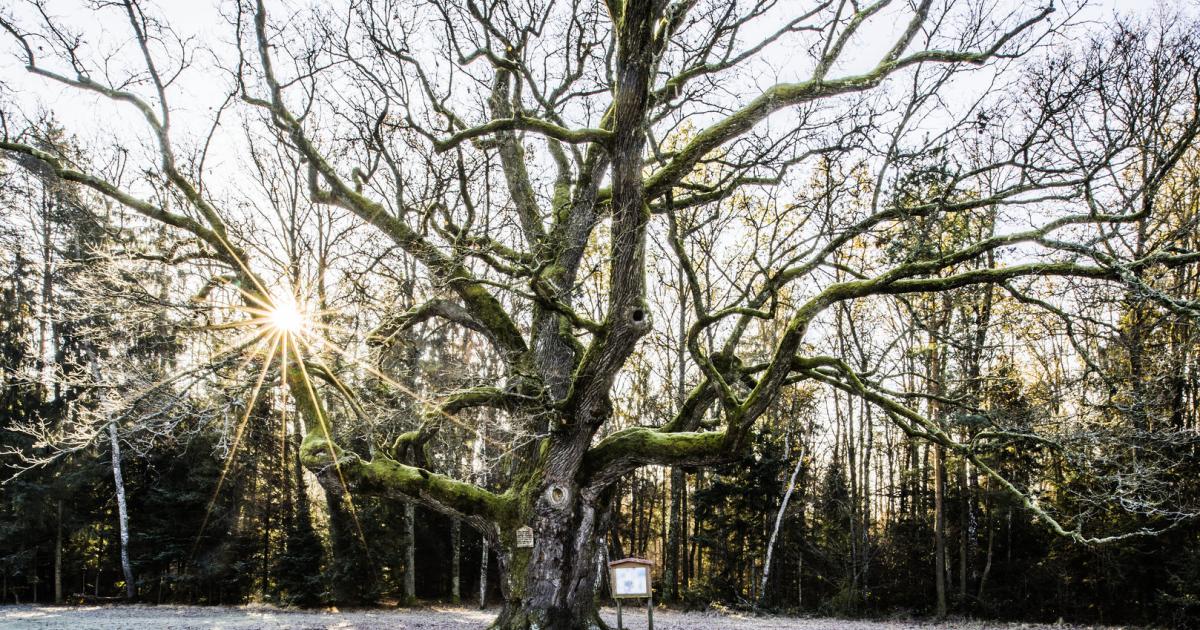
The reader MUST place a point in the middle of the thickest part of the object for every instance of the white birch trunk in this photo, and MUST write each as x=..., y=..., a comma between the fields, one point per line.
x=787, y=496
x=122, y=511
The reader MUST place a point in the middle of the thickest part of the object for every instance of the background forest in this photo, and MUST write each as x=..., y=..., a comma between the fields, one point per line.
x=832, y=510
x=145, y=457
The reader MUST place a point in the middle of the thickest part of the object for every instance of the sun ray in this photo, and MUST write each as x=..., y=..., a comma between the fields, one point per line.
x=283, y=455
x=392, y=382
x=284, y=325
x=262, y=375
x=329, y=444
x=233, y=253
x=238, y=345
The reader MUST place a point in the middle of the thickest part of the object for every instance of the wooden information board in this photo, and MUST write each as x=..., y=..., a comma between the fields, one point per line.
x=629, y=579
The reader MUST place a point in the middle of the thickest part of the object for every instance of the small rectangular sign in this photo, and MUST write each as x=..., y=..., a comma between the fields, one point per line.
x=524, y=537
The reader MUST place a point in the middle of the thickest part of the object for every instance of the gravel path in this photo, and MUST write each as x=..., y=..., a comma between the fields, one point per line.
x=28, y=617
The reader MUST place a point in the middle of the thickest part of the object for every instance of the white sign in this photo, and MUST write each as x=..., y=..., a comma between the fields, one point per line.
x=524, y=537
x=631, y=581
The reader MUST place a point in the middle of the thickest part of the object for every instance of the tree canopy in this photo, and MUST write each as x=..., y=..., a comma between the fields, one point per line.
x=499, y=258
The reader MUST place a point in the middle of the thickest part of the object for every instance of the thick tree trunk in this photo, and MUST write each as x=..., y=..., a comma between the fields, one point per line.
x=551, y=586
x=122, y=512
x=526, y=606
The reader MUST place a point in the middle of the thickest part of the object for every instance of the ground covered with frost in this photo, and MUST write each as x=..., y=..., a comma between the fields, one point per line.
x=30, y=617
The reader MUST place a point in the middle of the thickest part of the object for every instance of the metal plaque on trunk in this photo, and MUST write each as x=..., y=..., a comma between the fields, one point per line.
x=524, y=537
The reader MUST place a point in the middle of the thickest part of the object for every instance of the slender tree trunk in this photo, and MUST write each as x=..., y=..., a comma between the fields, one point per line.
x=987, y=566
x=939, y=527
x=867, y=435
x=265, y=568
x=483, y=574
x=685, y=538
x=851, y=456
x=939, y=463
x=800, y=581
x=787, y=495
x=635, y=507
x=410, y=554
x=58, y=553
x=673, y=534
x=695, y=558
x=455, y=555
x=122, y=512
x=964, y=534
x=678, y=481
x=46, y=357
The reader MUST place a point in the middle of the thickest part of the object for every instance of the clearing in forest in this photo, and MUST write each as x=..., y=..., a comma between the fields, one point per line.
x=30, y=617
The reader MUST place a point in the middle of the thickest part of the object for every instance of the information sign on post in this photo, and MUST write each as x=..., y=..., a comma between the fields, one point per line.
x=630, y=579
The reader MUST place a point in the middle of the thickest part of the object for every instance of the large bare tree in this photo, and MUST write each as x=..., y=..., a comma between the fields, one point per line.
x=608, y=125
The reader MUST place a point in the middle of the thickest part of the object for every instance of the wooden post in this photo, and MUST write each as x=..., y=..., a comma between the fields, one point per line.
x=650, y=610
x=619, y=615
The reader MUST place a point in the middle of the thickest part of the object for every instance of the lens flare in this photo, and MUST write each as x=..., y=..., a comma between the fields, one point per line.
x=285, y=315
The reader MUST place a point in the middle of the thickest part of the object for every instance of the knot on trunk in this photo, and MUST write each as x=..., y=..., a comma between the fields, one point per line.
x=558, y=496
x=638, y=317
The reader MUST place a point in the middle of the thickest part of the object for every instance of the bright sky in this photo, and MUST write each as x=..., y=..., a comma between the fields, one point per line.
x=199, y=91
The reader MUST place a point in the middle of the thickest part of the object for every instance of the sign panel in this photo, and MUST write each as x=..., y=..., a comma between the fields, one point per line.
x=524, y=537
x=631, y=581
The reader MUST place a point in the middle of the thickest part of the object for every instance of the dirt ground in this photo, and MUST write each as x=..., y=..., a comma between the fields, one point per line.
x=29, y=617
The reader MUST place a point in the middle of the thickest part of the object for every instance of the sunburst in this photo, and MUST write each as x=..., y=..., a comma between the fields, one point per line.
x=287, y=316
x=282, y=325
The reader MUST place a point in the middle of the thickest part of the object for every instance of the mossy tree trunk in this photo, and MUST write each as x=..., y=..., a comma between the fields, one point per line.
x=551, y=585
